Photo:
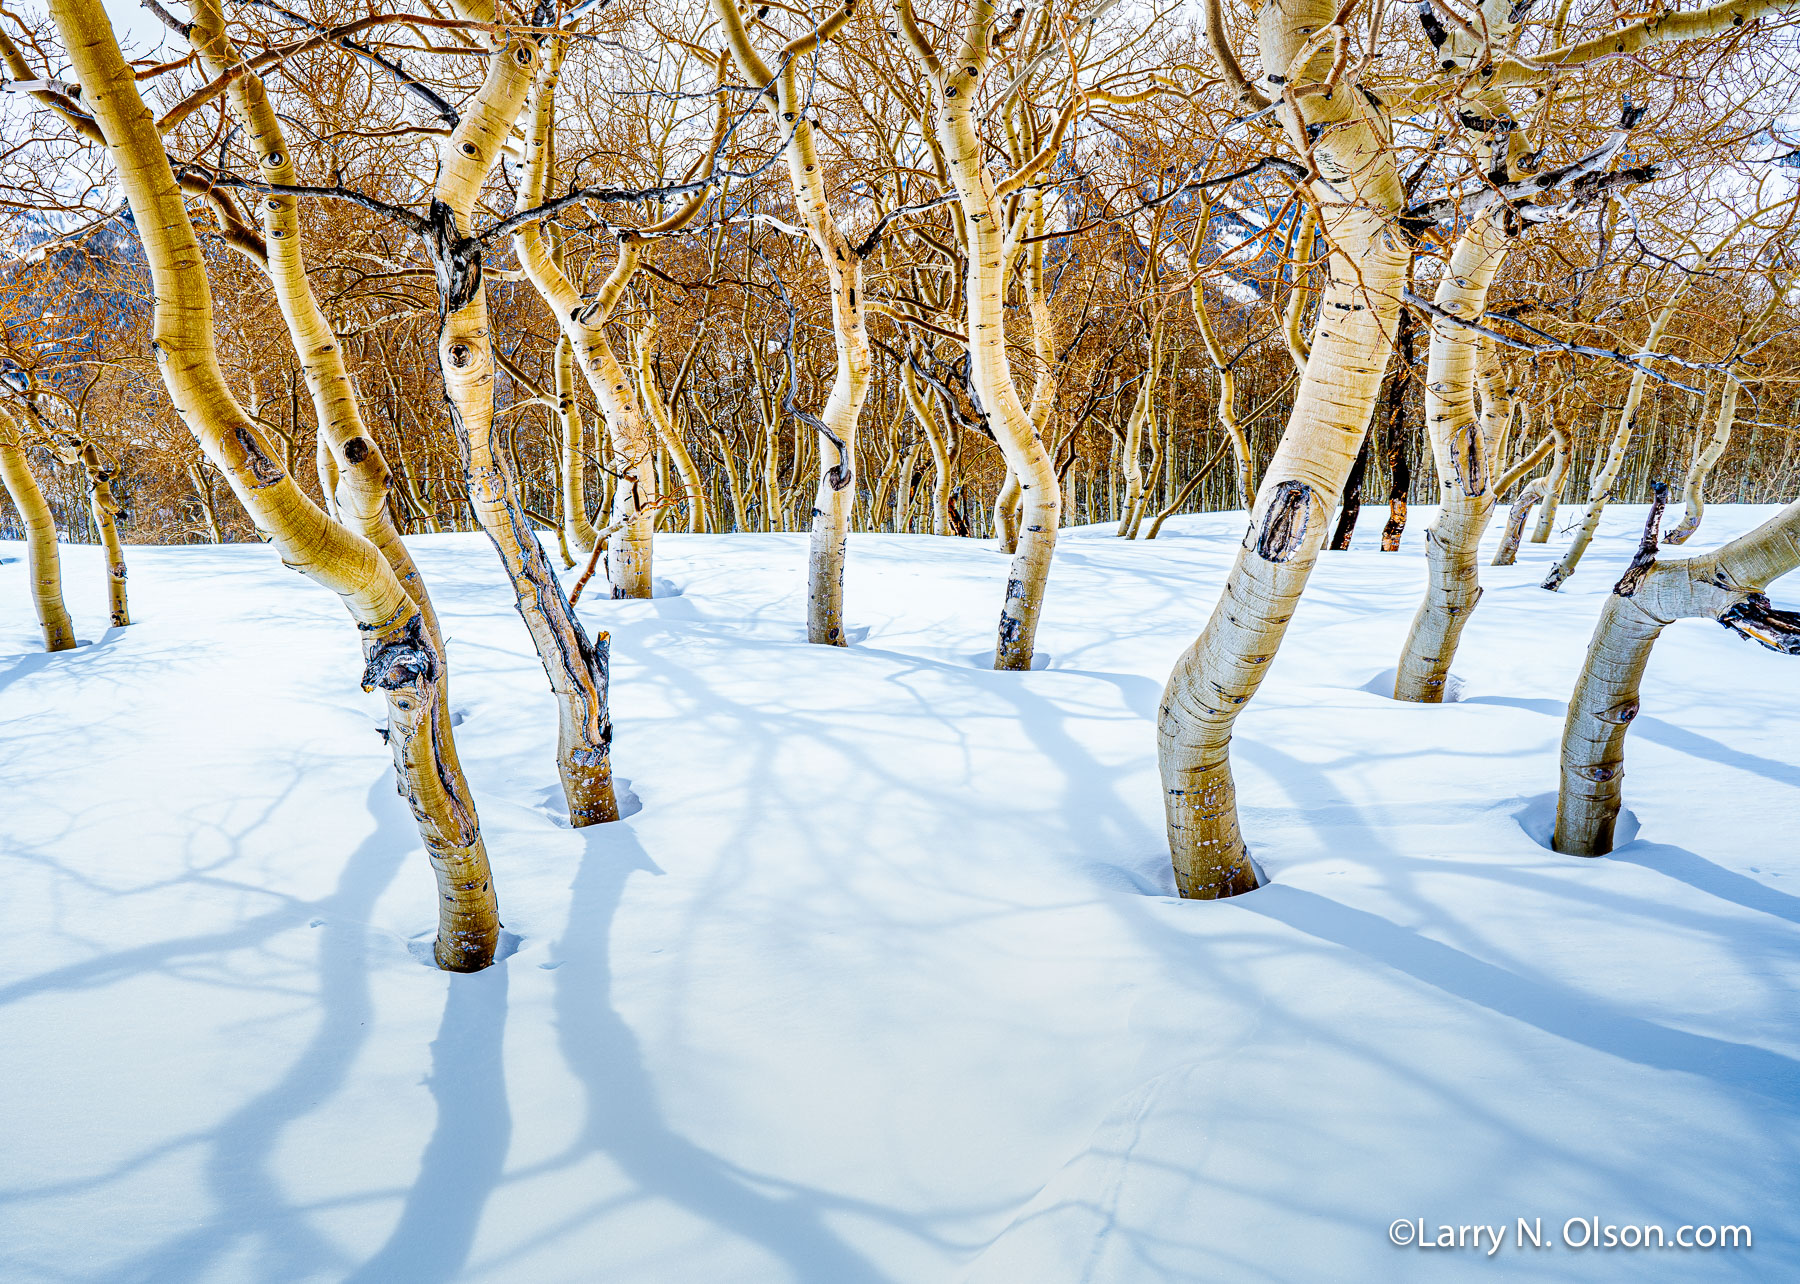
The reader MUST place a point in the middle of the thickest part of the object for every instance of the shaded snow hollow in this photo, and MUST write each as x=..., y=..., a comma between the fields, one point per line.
x=884, y=979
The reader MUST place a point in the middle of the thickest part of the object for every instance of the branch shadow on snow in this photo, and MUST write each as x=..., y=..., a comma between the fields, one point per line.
x=253, y=1218
x=1557, y=1011
x=624, y=1120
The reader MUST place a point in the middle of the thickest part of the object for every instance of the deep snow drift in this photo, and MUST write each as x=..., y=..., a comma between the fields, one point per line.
x=885, y=980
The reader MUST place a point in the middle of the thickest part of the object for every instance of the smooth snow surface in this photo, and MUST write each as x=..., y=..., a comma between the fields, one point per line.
x=884, y=979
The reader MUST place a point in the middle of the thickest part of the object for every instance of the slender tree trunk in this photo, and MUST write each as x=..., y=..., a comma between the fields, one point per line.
x=1601, y=488
x=691, y=485
x=1553, y=487
x=578, y=531
x=990, y=370
x=576, y=666
x=1346, y=527
x=1727, y=586
x=403, y=661
x=40, y=538
x=105, y=510
x=1532, y=492
x=1398, y=464
x=1463, y=444
x=209, y=510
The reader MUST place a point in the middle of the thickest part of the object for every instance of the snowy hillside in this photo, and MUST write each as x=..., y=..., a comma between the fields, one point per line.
x=885, y=978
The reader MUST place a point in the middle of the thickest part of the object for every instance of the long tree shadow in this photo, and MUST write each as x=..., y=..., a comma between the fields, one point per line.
x=624, y=1120
x=1556, y=1011
x=249, y=1201
x=463, y=1161
x=1703, y=875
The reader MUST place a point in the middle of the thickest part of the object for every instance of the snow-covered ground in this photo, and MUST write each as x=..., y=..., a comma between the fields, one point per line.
x=885, y=980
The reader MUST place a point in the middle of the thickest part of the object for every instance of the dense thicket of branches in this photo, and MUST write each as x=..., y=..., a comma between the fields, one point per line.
x=742, y=345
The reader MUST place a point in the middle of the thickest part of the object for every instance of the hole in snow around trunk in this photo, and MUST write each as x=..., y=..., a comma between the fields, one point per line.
x=1537, y=817
x=1382, y=684
x=554, y=805
x=985, y=660
x=423, y=947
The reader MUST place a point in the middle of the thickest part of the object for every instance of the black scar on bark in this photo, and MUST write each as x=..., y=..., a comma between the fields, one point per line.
x=1285, y=522
x=455, y=259
x=402, y=660
x=356, y=450
x=264, y=469
x=1761, y=621
x=1645, y=557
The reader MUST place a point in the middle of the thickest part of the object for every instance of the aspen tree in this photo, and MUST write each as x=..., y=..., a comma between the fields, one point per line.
x=105, y=510
x=1728, y=586
x=578, y=530
x=1358, y=190
x=843, y=263
x=955, y=81
x=1345, y=136
x=1222, y=369
x=403, y=660
x=576, y=665
x=1707, y=454
x=658, y=410
x=347, y=453
x=42, y=560
x=1463, y=446
x=583, y=322
x=1606, y=470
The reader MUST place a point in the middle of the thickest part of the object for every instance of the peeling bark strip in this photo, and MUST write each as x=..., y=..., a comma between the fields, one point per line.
x=1645, y=557
x=455, y=259
x=1755, y=618
x=1285, y=521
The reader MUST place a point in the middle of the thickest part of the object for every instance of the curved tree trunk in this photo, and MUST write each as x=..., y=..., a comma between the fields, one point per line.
x=576, y=667
x=918, y=400
x=1530, y=494
x=1358, y=312
x=1607, y=473
x=836, y=428
x=1554, y=484
x=982, y=200
x=346, y=453
x=403, y=660
x=40, y=538
x=1726, y=585
x=691, y=485
x=583, y=323
x=1221, y=364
